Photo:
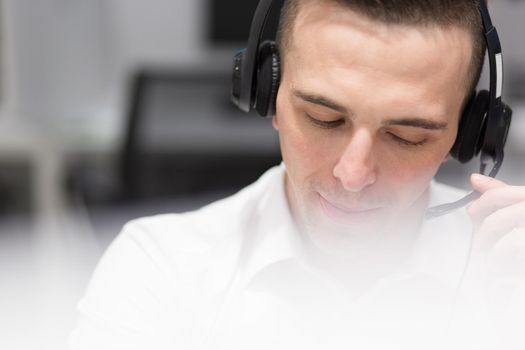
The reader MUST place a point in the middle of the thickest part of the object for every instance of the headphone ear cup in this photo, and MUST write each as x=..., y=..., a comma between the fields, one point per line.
x=268, y=78
x=471, y=128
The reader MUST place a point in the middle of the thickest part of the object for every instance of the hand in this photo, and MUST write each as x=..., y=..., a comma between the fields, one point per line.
x=499, y=211
x=497, y=260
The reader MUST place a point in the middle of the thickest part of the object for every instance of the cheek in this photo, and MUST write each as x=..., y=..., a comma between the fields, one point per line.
x=409, y=178
x=303, y=153
x=304, y=158
x=416, y=166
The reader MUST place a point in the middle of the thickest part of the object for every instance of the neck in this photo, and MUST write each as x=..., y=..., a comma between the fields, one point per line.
x=362, y=262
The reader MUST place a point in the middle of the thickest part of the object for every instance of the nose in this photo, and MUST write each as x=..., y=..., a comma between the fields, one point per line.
x=356, y=168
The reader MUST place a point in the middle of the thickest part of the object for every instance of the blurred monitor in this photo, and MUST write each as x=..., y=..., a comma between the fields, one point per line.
x=185, y=136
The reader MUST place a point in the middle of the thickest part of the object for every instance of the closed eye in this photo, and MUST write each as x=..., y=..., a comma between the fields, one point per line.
x=324, y=123
x=406, y=142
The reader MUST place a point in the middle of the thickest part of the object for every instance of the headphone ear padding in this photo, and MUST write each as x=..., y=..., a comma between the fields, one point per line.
x=471, y=128
x=268, y=78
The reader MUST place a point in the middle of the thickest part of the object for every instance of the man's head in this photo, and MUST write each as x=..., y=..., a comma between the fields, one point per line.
x=368, y=108
x=460, y=13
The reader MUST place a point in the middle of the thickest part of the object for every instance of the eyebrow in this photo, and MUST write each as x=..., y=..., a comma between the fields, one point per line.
x=417, y=123
x=412, y=122
x=321, y=101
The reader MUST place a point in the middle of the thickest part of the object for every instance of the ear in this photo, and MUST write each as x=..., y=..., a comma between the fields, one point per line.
x=275, y=122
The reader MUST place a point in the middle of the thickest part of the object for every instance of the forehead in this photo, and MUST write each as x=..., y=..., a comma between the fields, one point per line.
x=333, y=46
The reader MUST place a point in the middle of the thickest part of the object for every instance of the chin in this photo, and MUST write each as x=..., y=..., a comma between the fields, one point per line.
x=344, y=242
x=379, y=237
x=366, y=223
x=350, y=230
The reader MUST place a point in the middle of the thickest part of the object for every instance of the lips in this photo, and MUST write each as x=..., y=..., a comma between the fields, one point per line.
x=347, y=215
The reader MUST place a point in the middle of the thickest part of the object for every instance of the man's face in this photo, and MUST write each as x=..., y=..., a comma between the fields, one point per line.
x=366, y=113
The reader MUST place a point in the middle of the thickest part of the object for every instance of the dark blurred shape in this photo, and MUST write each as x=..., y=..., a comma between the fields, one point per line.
x=15, y=188
x=229, y=20
x=183, y=138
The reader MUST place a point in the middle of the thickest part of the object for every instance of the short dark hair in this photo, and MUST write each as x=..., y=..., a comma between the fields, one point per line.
x=461, y=13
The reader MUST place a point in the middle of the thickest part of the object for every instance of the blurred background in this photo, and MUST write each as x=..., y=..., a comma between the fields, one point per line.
x=116, y=109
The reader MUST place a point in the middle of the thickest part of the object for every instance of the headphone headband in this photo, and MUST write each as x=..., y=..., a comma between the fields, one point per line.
x=249, y=61
x=491, y=150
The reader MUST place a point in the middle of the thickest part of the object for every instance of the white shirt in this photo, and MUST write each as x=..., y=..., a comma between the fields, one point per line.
x=232, y=275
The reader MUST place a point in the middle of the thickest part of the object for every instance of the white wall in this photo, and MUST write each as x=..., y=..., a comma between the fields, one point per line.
x=7, y=69
x=508, y=18
x=162, y=32
x=61, y=57
x=73, y=57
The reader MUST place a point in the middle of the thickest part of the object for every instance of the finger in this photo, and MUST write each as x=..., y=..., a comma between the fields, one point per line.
x=482, y=183
x=495, y=199
x=500, y=223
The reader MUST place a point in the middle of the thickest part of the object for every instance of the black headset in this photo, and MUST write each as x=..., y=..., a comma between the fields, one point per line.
x=484, y=123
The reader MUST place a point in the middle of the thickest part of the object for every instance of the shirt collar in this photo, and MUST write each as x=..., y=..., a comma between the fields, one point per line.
x=275, y=237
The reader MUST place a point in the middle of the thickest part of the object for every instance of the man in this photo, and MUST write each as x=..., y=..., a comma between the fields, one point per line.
x=330, y=250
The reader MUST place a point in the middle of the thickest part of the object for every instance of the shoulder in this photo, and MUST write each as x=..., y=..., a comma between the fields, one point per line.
x=160, y=267
x=198, y=231
x=181, y=246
